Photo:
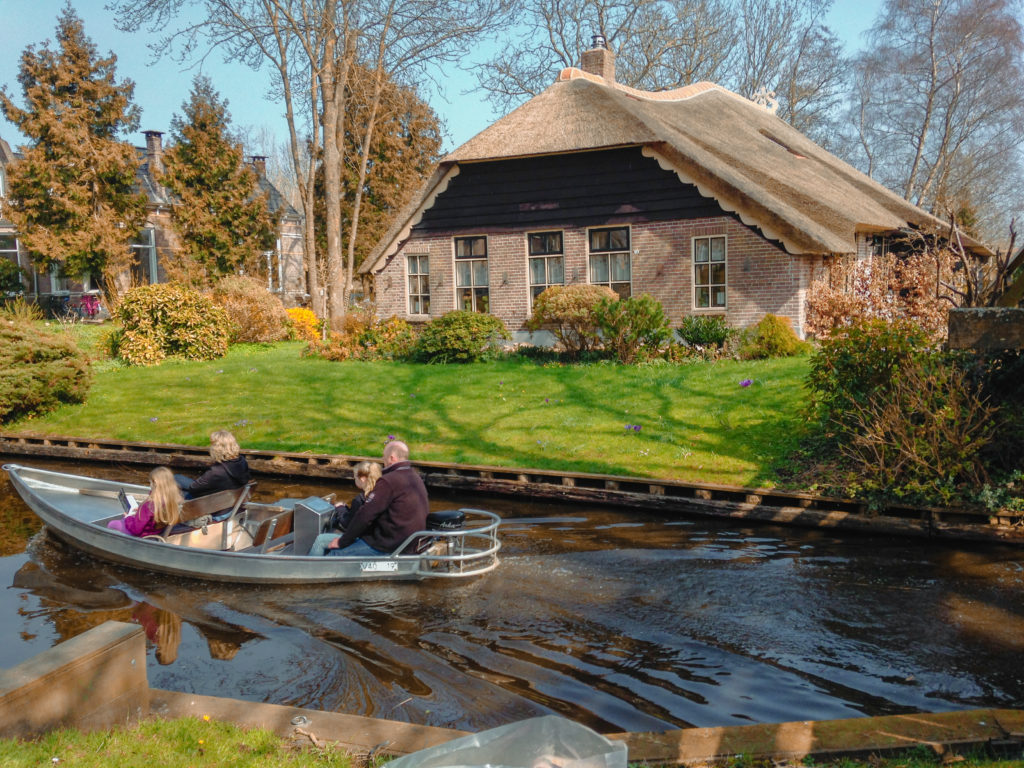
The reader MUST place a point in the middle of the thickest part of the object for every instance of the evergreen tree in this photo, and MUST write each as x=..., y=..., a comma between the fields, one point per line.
x=73, y=197
x=219, y=215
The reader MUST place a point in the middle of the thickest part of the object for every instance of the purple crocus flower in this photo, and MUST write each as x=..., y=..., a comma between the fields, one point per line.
x=746, y=382
x=636, y=427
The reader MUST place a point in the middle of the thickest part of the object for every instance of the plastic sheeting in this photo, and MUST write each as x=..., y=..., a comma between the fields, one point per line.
x=541, y=742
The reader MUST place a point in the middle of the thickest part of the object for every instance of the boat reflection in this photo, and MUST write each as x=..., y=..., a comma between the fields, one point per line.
x=77, y=593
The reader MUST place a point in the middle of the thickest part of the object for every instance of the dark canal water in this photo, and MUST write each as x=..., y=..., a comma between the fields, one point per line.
x=619, y=620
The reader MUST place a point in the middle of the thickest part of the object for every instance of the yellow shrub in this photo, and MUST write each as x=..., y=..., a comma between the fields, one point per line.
x=304, y=323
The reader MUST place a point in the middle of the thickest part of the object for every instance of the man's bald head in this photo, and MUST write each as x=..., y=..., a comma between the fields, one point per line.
x=395, y=451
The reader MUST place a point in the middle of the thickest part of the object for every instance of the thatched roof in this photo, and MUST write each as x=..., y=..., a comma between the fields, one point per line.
x=732, y=149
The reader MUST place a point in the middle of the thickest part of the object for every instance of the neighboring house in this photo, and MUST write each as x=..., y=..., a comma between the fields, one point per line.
x=697, y=196
x=285, y=270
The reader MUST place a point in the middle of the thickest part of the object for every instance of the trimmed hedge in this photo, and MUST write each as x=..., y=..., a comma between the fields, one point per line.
x=39, y=371
x=459, y=337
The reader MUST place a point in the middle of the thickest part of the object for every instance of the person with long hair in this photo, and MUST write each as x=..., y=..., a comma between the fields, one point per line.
x=160, y=509
x=365, y=474
x=230, y=470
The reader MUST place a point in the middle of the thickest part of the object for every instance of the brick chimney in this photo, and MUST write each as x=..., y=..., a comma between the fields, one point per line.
x=154, y=151
x=259, y=164
x=599, y=60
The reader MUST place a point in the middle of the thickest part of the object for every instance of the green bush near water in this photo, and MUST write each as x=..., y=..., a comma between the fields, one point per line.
x=39, y=371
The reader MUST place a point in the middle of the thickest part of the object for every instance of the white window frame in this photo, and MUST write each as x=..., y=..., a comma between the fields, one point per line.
x=424, y=279
x=473, y=286
x=710, y=285
x=627, y=251
x=547, y=258
x=147, y=251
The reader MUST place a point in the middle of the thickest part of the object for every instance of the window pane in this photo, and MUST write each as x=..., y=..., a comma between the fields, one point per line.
x=599, y=240
x=414, y=284
x=536, y=291
x=622, y=289
x=463, y=274
x=703, y=297
x=466, y=299
x=718, y=249
x=720, y=297
x=425, y=305
x=414, y=305
x=701, y=274
x=599, y=269
x=556, y=270
x=482, y=303
x=424, y=284
x=718, y=274
x=7, y=243
x=700, y=250
x=480, y=272
x=620, y=266
x=537, y=272
x=619, y=239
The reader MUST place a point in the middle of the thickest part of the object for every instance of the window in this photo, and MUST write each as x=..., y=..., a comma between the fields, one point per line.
x=709, y=272
x=144, y=265
x=547, y=264
x=9, y=250
x=609, y=259
x=419, y=285
x=58, y=281
x=471, y=273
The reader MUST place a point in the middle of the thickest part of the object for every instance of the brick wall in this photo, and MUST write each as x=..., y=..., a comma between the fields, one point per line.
x=760, y=276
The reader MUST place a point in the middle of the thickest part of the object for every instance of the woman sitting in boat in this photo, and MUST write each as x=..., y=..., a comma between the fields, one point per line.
x=229, y=471
x=158, y=511
x=365, y=474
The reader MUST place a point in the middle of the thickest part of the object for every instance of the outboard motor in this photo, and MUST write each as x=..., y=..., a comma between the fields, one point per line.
x=446, y=520
x=312, y=515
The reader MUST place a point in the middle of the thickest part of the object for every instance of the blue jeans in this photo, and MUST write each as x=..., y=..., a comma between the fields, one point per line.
x=357, y=548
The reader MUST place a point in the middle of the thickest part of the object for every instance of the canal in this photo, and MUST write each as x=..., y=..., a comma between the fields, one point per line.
x=620, y=620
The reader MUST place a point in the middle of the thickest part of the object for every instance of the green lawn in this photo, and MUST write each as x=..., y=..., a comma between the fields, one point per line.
x=696, y=422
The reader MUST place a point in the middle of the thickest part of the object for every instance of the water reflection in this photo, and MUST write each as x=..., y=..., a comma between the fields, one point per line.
x=621, y=621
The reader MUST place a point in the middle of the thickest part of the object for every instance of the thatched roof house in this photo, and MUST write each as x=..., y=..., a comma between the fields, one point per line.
x=705, y=199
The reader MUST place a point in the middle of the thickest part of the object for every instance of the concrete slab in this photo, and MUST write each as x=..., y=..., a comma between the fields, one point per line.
x=359, y=735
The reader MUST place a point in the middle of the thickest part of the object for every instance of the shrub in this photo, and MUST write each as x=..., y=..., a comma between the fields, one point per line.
x=362, y=336
x=38, y=371
x=921, y=440
x=167, y=319
x=459, y=337
x=303, y=324
x=20, y=312
x=12, y=278
x=568, y=312
x=254, y=313
x=635, y=328
x=706, y=331
x=859, y=361
x=773, y=336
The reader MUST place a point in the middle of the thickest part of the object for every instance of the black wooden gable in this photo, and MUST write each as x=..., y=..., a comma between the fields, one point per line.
x=581, y=189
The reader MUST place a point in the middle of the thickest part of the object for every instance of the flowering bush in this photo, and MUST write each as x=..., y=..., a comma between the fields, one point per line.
x=304, y=324
x=568, y=311
x=167, y=319
x=38, y=371
x=254, y=313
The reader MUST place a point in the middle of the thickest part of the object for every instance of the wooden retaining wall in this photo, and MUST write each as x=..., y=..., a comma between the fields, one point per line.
x=669, y=496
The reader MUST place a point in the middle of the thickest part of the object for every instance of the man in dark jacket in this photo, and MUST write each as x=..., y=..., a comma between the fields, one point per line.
x=395, y=509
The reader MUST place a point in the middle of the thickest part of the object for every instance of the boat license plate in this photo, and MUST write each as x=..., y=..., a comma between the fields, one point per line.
x=379, y=566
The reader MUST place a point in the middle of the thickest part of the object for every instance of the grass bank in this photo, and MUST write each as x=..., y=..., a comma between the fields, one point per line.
x=693, y=422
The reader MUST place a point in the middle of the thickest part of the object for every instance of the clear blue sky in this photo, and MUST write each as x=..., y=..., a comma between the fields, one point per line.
x=161, y=88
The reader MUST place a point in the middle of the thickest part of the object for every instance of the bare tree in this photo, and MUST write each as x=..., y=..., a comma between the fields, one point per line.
x=747, y=45
x=314, y=46
x=941, y=100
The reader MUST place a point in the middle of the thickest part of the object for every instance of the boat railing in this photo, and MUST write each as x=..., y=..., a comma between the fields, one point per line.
x=466, y=551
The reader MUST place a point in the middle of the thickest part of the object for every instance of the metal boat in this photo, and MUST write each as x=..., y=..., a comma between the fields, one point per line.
x=252, y=542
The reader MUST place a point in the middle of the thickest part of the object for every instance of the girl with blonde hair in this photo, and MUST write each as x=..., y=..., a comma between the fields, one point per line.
x=365, y=474
x=230, y=470
x=159, y=510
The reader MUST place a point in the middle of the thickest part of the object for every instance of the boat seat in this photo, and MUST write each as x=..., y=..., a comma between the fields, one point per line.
x=222, y=505
x=272, y=528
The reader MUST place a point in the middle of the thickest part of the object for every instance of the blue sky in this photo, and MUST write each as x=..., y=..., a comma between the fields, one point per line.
x=161, y=88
